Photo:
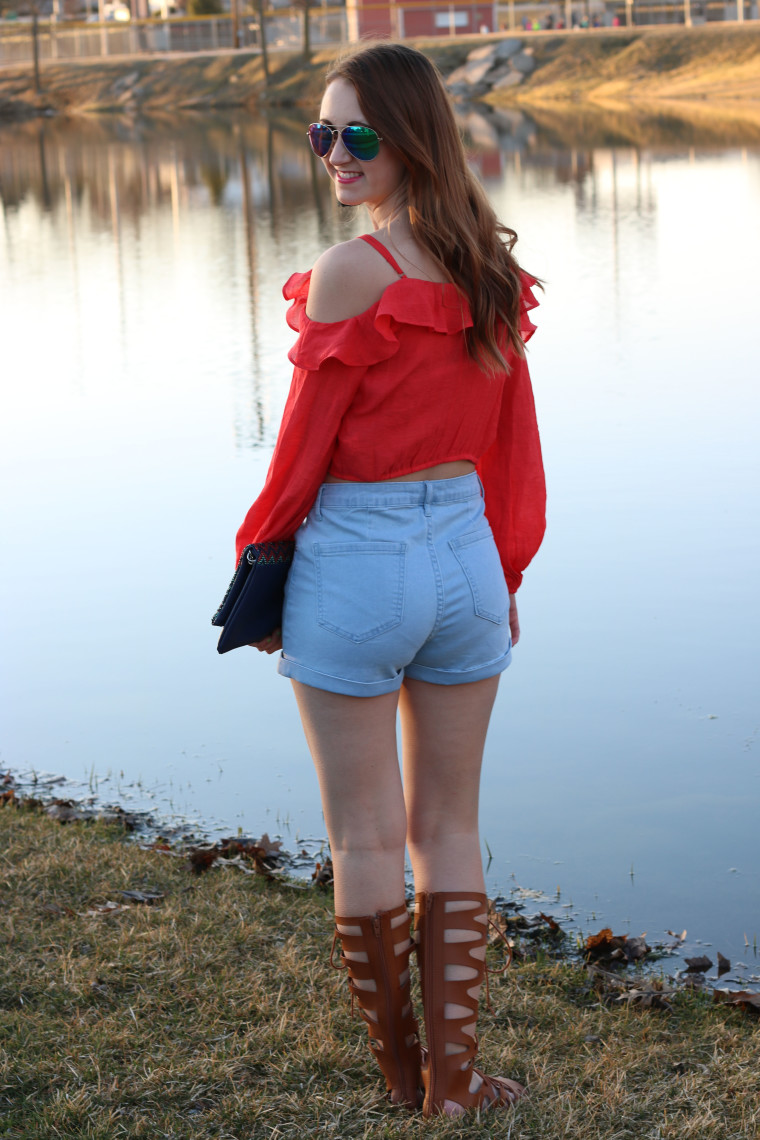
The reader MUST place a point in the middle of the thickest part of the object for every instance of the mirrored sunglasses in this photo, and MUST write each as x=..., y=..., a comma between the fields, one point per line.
x=360, y=142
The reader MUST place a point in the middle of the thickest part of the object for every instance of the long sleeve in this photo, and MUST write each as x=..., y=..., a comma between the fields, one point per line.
x=512, y=474
x=511, y=469
x=330, y=361
x=316, y=404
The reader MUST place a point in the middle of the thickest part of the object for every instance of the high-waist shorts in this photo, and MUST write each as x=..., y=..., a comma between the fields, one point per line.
x=394, y=580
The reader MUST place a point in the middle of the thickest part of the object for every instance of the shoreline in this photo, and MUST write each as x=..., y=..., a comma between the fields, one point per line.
x=141, y=999
x=713, y=66
x=534, y=932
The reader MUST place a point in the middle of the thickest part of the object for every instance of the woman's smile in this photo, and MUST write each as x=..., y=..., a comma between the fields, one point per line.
x=373, y=183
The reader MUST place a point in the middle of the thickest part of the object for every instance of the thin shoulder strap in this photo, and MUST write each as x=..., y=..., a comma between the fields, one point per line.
x=378, y=245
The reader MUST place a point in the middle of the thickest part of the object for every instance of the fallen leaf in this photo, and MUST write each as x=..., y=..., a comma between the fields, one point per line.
x=602, y=939
x=271, y=847
x=648, y=997
x=741, y=998
x=264, y=853
x=650, y=993
x=147, y=897
x=552, y=923
x=699, y=964
x=527, y=893
x=201, y=858
x=99, y=910
x=322, y=875
x=114, y=813
x=605, y=944
x=55, y=910
x=497, y=925
x=65, y=811
x=636, y=948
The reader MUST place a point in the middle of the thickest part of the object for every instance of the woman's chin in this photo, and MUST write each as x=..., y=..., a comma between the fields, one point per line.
x=348, y=193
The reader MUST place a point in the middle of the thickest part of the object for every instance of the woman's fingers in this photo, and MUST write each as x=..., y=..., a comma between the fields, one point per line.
x=271, y=644
x=514, y=621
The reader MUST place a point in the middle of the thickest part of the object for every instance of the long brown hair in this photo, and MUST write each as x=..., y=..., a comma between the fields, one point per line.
x=401, y=93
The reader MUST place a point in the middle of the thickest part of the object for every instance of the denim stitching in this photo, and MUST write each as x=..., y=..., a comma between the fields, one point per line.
x=399, y=555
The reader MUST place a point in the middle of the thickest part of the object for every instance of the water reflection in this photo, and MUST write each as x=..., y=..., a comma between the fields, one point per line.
x=108, y=175
x=141, y=265
x=169, y=161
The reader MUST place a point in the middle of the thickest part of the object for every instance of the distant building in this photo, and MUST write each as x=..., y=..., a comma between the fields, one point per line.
x=426, y=18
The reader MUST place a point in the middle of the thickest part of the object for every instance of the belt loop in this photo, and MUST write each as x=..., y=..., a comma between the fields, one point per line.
x=482, y=488
x=428, y=499
x=318, y=504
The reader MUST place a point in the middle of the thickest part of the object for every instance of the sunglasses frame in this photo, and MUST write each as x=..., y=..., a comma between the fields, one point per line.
x=338, y=134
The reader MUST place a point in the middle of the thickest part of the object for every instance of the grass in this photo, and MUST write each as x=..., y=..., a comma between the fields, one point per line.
x=214, y=1015
x=715, y=61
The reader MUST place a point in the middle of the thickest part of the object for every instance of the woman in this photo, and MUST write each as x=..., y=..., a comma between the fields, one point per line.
x=410, y=394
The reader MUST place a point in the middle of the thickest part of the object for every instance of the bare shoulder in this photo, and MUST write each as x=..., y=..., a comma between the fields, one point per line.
x=346, y=280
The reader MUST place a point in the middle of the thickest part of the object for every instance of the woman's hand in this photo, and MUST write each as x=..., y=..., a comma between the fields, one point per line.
x=270, y=644
x=514, y=621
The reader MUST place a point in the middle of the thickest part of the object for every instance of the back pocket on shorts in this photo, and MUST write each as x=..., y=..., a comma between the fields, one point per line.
x=360, y=587
x=479, y=558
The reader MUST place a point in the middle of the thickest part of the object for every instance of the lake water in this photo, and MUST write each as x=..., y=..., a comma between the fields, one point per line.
x=144, y=372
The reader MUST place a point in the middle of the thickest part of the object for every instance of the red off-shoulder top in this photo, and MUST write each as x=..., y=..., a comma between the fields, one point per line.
x=393, y=391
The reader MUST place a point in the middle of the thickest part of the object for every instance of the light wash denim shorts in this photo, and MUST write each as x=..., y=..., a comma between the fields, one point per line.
x=394, y=580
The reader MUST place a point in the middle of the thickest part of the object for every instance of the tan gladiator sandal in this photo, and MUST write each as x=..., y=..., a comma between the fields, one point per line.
x=375, y=954
x=452, y=1076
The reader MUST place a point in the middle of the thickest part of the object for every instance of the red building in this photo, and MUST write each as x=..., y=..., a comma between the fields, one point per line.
x=368, y=18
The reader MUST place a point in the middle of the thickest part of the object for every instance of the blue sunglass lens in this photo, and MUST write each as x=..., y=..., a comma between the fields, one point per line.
x=361, y=142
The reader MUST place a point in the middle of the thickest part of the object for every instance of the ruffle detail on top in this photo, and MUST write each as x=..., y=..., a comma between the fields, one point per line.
x=430, y=304
x=527, y=302
x=369, y=337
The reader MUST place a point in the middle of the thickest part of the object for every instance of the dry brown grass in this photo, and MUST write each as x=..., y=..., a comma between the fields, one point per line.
x=716, y=62
x=216, y=1016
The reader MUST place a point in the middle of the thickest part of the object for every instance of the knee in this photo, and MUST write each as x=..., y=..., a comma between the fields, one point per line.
x=370, y=838
x=431, y=829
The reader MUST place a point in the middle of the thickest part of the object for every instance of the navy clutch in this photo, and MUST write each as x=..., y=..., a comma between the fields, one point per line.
x=252, y=606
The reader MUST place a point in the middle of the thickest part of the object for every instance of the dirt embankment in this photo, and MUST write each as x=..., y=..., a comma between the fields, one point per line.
x=716, y=62
x=719, y=64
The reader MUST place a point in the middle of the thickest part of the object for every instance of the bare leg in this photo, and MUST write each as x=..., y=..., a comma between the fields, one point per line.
x=353, y=744
x=444, y=732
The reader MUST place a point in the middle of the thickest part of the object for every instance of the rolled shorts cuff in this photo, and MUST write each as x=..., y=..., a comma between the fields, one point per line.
x=460, y=676
x=287, y=667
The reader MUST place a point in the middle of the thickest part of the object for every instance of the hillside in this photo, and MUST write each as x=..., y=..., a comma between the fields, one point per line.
x=715, y=63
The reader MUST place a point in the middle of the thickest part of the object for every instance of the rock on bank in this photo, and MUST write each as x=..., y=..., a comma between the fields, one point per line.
x=716, y=62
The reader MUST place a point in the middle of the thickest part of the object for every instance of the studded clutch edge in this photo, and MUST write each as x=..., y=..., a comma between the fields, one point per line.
x=256, y=553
